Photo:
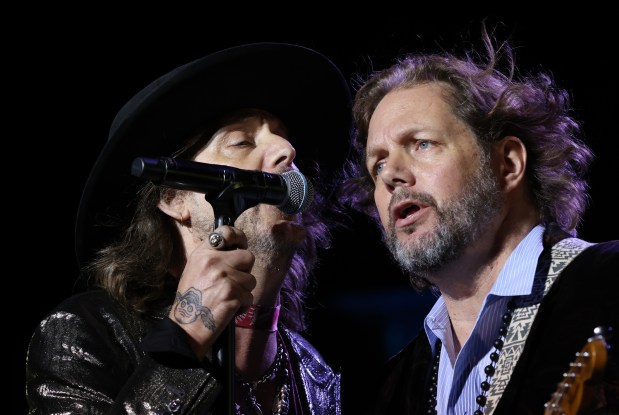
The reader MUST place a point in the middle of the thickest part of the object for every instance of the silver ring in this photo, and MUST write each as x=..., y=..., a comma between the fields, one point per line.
x=216, y=240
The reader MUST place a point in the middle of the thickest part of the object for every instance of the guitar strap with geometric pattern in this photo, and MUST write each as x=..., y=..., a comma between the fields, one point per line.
x=562, y=253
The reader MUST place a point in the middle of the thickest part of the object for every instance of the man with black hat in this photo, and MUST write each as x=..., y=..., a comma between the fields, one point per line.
x=173, y=263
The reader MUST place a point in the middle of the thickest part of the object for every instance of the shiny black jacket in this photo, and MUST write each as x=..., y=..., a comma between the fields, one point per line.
x=85, y=358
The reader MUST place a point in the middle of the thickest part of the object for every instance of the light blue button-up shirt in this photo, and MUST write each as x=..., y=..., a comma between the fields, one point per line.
x=459, y=378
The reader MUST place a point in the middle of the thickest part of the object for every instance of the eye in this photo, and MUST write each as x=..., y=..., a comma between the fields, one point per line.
x=424, y=145
x=241, y=143
x=378, y=167
x=238, y=138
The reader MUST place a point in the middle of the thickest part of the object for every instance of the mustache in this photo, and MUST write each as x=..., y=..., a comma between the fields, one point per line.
x=400, y=194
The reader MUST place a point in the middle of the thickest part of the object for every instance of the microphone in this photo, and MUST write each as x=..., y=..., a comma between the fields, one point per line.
x=291, y=192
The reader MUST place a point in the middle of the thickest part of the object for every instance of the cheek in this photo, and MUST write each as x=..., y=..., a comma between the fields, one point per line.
x=381, y=199
x=448, y=181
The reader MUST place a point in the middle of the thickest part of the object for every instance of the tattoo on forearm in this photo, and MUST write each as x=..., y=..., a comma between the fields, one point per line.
x=188, y=307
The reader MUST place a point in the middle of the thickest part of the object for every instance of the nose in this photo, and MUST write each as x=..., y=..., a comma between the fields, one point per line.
x=396, y=172
x=279, y=152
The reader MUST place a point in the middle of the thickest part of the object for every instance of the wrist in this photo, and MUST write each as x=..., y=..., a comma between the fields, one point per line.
x=258, y=317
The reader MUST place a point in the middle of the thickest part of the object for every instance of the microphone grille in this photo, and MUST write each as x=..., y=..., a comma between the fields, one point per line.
x=300, y=193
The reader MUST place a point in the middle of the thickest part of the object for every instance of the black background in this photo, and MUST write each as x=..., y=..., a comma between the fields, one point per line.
x=70, y=71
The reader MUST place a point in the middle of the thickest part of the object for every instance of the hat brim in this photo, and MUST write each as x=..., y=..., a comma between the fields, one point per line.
x=299, y=85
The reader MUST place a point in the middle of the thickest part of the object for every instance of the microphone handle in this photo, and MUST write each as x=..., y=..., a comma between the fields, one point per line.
x=224, y=351
x=225, y=344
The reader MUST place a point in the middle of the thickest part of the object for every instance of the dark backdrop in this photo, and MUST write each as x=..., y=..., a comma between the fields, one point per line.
x=71, y=70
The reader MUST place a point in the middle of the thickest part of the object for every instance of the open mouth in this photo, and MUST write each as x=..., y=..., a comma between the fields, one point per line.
x=405, y=210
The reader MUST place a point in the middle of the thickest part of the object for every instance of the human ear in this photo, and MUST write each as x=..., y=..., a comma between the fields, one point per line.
x=512, y=161
x=173, y=204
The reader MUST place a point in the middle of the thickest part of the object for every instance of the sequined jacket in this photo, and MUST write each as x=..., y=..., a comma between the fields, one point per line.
x=583, y=296
x=85, y=358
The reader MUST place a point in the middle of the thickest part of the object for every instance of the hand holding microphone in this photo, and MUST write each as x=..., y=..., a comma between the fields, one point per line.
x=230, y=191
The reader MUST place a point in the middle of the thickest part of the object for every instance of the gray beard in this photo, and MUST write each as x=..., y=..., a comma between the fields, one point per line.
x=460, y=222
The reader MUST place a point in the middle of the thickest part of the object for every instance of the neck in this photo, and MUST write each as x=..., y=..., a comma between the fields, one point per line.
x=465, y=283
x=464, y=295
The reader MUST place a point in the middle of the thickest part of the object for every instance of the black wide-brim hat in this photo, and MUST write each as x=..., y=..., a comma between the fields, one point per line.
x=297, y=84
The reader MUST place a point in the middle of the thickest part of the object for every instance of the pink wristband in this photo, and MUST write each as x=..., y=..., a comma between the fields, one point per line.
x=258, y=317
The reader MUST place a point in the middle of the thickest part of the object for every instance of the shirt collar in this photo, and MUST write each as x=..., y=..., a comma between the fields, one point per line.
x=516, y=278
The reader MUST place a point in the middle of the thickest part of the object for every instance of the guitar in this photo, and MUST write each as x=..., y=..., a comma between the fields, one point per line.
x=575, y=391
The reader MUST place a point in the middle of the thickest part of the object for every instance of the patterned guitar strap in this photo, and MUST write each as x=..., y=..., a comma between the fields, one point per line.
x=562, y=253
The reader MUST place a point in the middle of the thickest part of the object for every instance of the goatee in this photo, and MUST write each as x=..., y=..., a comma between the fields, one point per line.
x=460, y=222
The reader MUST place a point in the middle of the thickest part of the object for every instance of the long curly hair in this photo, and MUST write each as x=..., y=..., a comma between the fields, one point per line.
x=138, y=268
x=495, y=101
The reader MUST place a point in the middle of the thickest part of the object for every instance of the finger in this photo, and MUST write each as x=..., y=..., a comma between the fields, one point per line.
x=227, y=237
x=216, y=240
x=246, y=281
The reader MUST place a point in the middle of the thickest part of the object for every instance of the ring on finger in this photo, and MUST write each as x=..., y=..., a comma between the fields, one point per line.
x=216, y=240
